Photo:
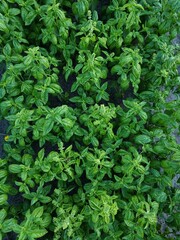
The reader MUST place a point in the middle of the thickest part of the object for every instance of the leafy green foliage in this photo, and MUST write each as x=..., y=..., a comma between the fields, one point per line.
x=90, y=151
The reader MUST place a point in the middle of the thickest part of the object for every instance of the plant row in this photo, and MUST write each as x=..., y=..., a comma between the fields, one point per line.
x=90, y=151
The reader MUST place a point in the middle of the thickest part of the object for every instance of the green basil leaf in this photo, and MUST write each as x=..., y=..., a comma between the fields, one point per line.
x=15, y=168
x=142, y=139
x=38, y=233
x=3, y=199
x=14, y=11
x=9, y=225
x=3, y=26
x=3, y=215
x=29, y=17
x=2, y=92
x=48, y=126
x=38, y=212
x=158, y=195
